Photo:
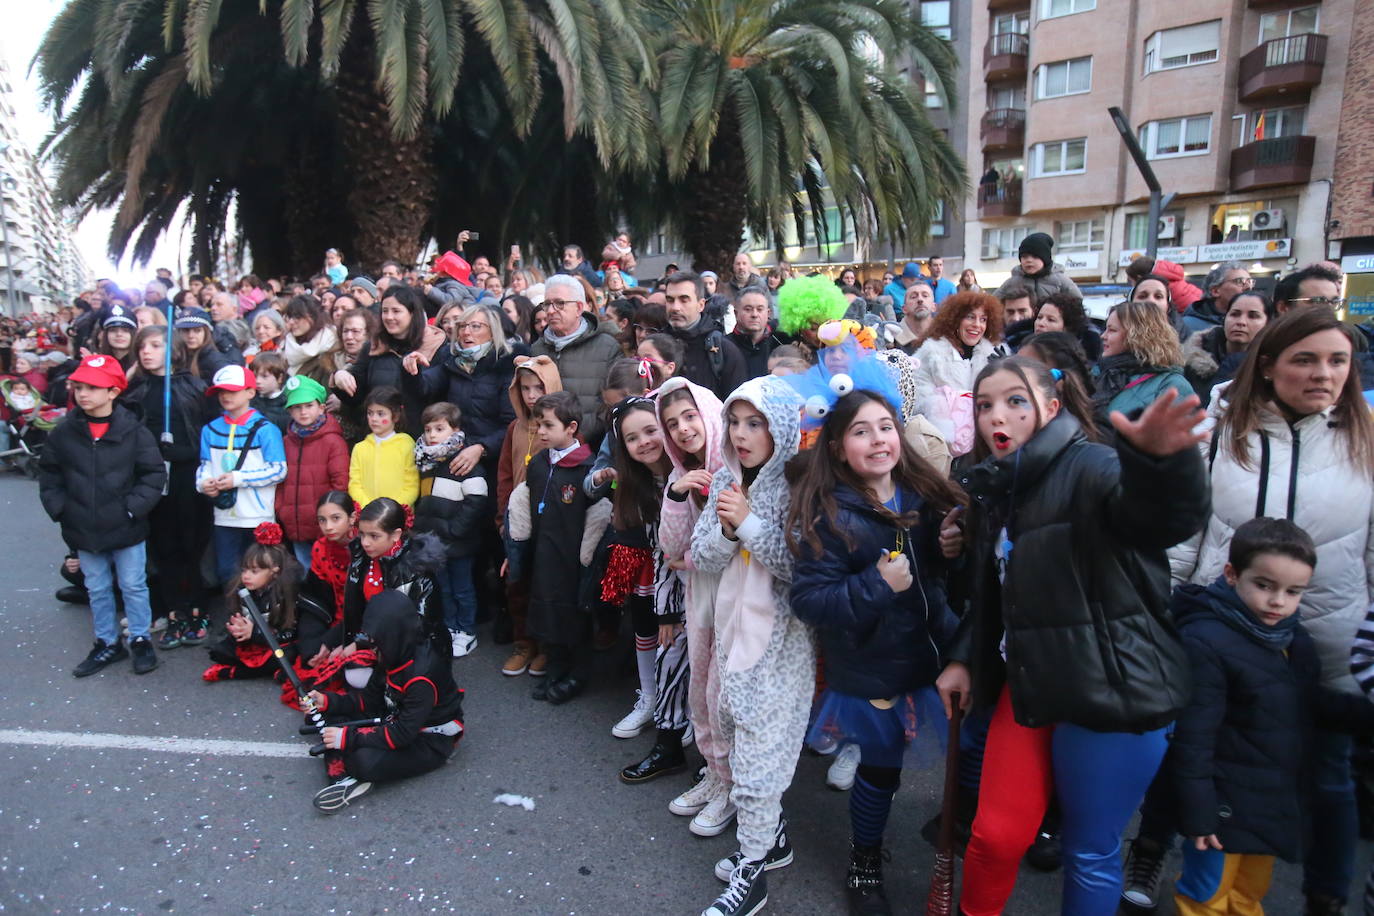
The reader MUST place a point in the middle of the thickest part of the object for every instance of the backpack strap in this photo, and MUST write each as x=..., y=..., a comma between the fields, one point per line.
x=715, y=352
x=248, y=442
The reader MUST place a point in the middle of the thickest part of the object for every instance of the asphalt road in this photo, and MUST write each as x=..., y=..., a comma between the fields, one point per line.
x=209, y=828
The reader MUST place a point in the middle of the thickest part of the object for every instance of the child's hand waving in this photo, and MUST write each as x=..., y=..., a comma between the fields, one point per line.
x=896, y=572
x=1167, y=427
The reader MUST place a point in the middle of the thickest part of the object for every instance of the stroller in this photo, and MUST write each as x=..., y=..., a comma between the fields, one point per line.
x=24, y=429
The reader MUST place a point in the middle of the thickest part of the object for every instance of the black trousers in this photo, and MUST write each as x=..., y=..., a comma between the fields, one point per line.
x=379, y=764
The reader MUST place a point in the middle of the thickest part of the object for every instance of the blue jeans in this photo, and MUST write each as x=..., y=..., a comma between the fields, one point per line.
x=459, y=595
x=130, y=565
x=230, y=544
x=302, y=551
x=1330, y=862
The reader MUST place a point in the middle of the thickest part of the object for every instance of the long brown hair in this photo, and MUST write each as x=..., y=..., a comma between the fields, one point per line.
x=637, y=496
x=1251, y=390
x=279, y=598
x=1067, y=389
x=955, y=307
x=820, y=468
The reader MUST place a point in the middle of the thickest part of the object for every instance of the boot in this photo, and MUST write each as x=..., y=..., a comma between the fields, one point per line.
x=665, y=757
x=863, y=885
x=1324, y=905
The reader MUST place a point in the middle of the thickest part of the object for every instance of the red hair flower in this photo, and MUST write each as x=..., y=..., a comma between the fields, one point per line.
x=410, y=517
x=268, y=534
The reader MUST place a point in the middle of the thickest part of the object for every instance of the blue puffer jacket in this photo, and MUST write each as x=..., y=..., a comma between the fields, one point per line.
x=876, y=643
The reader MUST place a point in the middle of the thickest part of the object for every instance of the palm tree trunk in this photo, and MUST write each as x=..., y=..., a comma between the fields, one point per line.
x=393, y=181
x=718, y=205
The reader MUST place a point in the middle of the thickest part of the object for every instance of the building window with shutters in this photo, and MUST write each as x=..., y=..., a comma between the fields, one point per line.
x=1065, y=77
x=1173, y=137
x=1186, y=46
x=1059, y=157
x=1080, y=235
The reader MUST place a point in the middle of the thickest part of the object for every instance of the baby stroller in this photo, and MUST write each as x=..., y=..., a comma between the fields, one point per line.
x=24, y=429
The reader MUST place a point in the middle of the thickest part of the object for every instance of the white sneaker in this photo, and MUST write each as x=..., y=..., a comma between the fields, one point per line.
x=841, y=773
x=463, y=643
x=688, y=736
x=715, y=817
x=689, y=803
x=640, y=718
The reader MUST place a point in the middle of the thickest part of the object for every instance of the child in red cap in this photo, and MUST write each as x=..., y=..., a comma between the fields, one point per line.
x=100, y=475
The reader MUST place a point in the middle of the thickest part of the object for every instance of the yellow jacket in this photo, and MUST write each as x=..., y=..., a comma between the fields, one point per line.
x=384, y=468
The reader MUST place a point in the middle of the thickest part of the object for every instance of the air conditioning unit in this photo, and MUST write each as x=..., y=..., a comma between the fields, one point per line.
x=1267, y=219
x=1168, y=227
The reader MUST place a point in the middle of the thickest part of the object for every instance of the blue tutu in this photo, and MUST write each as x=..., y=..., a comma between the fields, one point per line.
x=910, y=734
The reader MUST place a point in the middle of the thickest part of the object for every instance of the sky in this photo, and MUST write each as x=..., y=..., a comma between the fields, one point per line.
x=25, y=23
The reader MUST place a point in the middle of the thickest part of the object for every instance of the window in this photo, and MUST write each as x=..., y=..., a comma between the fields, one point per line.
x=935, y=16
x=1177, y=137
x=1079, y=235
x=1267, y=124
x=1285, y=23
x=1051, y=8
x=1067, y=77
x=1007, y=97
x=1063, y=157
x=1138, y=229
x=1253, y=220
x=1011, y=24
x=1183, y=47
x=1002, y=243
x=932, y=93
x=938, y=229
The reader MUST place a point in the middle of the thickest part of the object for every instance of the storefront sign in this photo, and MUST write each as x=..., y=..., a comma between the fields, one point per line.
x=1358, y=264
x=1225, y=251
x=1080, y=261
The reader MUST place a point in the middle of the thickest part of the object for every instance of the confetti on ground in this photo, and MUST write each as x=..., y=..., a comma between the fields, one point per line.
x=515, y=801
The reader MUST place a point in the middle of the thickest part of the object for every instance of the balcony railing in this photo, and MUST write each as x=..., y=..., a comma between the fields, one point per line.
x=1291, y=64
x=1003, y=128
x=1004, y=56
x=1268, y=163
x=999, y=200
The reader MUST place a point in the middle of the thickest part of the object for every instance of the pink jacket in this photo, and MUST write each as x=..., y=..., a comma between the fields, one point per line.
x=677, y=519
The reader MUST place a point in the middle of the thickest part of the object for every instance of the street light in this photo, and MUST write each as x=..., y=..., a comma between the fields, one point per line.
x=1158, y=199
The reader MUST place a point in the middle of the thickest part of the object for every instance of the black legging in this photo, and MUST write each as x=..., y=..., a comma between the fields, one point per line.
x=178, y=532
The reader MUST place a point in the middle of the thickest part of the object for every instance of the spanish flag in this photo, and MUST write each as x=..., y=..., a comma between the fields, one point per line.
x=1259, y=127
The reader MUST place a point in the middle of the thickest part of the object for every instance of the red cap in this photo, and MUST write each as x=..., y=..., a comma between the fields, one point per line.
x=100, y=371
x=450, y=263
x=232, y=378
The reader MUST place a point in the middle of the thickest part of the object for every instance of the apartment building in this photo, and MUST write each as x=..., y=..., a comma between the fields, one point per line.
x=40, y=266
x=1236, y=103
x=1351, y=228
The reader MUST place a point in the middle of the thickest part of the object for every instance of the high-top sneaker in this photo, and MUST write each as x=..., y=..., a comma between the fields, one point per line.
x=746, y=893
x=340, y=794
x=863, y=884
x=694, y=799
x=778, y=856
x=1143, y=871
x=638, y=718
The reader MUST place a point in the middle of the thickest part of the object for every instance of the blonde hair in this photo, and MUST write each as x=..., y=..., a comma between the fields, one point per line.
x=1149, y=336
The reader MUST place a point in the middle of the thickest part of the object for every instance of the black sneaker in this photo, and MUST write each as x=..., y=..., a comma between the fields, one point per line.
x=778, y=856
x=340, y=794
x=171, y=637
x=100, y=656
x=1046, y=853
x=746, y=893
x=145, y=658
x=1324, y=905
x=1143, y=870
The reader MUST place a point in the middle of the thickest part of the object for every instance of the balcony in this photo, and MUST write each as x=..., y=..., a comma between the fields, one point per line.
x=1267, y=4
x=1284, y=65
x=999, y=5
x=1003, y=129
x=999, y=201
x=1004, y=56
x=1268, y=163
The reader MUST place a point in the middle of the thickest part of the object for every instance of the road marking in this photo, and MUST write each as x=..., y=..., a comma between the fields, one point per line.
x=107, y=741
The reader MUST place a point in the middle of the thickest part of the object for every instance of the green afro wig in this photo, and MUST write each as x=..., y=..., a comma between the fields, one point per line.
x=808, y=302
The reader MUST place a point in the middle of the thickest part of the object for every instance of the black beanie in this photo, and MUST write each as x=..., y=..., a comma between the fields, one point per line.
x=1037, y=245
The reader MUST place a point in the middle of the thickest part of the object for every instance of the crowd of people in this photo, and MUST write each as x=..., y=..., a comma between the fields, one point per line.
x=1135, y=558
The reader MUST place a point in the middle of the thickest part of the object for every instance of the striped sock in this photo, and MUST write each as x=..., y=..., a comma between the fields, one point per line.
x=868, y=810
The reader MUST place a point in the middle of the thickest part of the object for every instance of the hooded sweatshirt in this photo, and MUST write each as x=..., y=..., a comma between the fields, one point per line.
x=677, y=518
x=756, y=568
x=521, y=442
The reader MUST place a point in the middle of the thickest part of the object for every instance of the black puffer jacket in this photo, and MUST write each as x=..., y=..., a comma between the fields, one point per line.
x=191, y=410
x=1084, y=601
x=413, y=571
x=699, y=363
x=101, y=492
x=877, y=643
x=1239, y=752
x=385, y=370
x=483, y=395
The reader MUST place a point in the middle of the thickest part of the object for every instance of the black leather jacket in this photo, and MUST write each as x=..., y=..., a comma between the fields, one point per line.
x=1084, y=600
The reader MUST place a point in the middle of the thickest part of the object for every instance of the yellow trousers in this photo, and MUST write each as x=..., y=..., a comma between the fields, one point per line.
x=1215, y=883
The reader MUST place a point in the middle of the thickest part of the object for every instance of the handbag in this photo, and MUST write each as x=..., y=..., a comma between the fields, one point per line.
x=227, y=498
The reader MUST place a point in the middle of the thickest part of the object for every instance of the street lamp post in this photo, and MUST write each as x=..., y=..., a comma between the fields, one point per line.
x=1158, y=199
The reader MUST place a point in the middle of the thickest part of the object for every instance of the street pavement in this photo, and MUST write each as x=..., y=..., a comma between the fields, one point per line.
x=96, y=814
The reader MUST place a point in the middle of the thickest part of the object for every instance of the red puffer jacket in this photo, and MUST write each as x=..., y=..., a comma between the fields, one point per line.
x=315, y=465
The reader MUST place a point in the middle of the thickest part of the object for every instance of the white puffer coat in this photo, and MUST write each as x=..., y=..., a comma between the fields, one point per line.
x=1333, y=502
x=940, y=364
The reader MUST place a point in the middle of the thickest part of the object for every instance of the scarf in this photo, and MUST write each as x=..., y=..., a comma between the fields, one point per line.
x=1114, y=373
x=1238, y=617
x=428, y=457
x=329, y=563
x=468, y=357
x=374, y=583
x=558, y=343
x=304, y=431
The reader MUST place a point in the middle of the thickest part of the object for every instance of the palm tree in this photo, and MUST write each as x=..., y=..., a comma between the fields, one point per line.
x=769, y=110
x=325, y=125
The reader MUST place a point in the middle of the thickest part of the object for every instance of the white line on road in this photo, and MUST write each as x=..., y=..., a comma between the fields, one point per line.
x=105, y=741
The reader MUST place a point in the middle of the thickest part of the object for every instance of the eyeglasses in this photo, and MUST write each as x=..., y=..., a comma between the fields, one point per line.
x=353, y=332
x=1246, y=282
x=1335, y=303
x=557, y=305
x=474, y=326
x=646, y=328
